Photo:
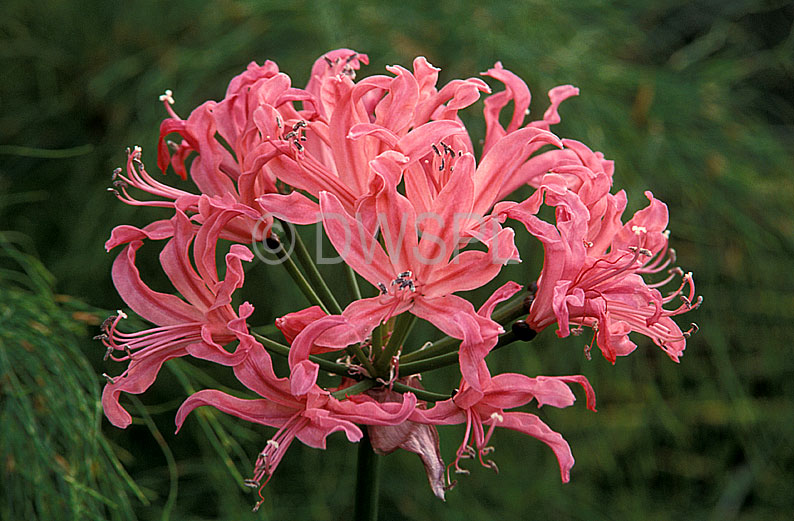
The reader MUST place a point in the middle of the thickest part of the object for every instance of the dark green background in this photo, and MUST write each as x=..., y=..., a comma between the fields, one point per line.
x=693, y=100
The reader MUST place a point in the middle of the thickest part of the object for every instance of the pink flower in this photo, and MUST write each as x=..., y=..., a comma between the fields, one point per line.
x=198, y=326
x=310, y=417
x=485, y=410
x=355, y=122
x=413, y=274
x=600, y=283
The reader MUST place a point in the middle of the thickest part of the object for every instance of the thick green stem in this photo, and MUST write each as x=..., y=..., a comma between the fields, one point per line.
x=315, y=278
x=356, y=388
x=292, y=268
x=443, y=345
x=437, y=362
x=367, y=482
x=510, y=311
x=427, y=396
x=402, y=327
x=352, y=282
x=277, y=348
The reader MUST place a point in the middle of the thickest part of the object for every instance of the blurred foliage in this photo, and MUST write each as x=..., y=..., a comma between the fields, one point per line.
x=693, y=100
x=54, y=461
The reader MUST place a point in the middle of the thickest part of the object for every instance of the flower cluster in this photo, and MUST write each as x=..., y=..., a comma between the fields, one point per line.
x=388, y=171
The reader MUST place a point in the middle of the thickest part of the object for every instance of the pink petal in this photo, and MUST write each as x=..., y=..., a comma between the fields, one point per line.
x=160, y=308
x=294, y=207
x=532, y=425
x=359, y=250
x=264, y=412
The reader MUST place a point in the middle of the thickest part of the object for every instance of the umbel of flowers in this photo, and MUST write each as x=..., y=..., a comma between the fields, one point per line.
x=386, y=168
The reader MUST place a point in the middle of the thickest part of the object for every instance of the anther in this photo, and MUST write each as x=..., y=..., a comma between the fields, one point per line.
x=435, y=149
x=299, y=124
x=168, y=96
x=250, y=483
x=107, y=323
x=272, y=443
x=107, y=353
x=172, y=146
x=298, y=146
x=116, y=172
x=405, y=274
x=499, y=419
x=639, y=229
x=108, y=378
x=278, y=122
x=382, y=288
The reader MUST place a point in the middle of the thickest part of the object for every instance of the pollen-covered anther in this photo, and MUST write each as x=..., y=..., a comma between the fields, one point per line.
x=168, y=96
x=491, y=464
x=498, y=418
x=404, y=281
x=693, y=328
x=121, y=314
x=109, y=378
x=639, y=229
x=172, y=146
x=272, y=443
x=587, y=244
x=382, y=288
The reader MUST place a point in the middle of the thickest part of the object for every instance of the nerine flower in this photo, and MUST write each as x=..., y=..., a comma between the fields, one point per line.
x=200, y=325
x=355, y=122
x=488, y=410
x=412, y=273
x=310, y=417
x=600, y=284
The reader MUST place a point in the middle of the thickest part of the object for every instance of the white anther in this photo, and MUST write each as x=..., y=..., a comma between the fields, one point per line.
x=121, y=313
x=666, y=234
x=272, y=443
x=639, y=229
x=498, y=417
x=168, y=96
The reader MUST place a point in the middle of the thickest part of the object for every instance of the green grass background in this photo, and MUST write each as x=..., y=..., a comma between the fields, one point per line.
x=693, y=100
